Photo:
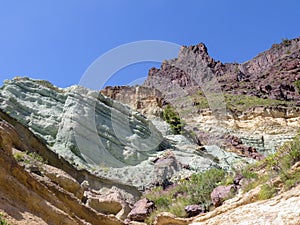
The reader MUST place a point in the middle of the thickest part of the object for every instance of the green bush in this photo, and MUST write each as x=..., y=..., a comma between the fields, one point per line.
x=195, y=190
x=28, y=157
x=36, y=156
x=266, y=192
x=3, y=220
x=172, y=118
x=297, y=84
x=19, y=156
x=276, y=165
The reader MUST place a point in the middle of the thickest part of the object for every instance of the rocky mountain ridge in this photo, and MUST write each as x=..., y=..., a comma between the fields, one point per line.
x=271, y=74
x=262, y=90
x=97, y=156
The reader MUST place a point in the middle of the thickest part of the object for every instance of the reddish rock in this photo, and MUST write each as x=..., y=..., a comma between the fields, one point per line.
x=220, y=193
x=194, y=210
x=141, y=210
x=270, y=74
x=237, y=179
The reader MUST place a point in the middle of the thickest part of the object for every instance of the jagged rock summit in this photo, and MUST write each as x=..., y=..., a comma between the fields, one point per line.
x=271, y=74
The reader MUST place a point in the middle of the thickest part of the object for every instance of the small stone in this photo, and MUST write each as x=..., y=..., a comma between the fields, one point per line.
x=141, y=210
x=193, y=210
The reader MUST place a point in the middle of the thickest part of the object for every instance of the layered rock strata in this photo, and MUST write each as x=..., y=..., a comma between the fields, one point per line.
x=103, y=137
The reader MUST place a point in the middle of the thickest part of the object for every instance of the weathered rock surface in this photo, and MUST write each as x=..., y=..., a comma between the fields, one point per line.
x=262, y=128
x=100, y=135
x=28, y=198
x=193, y=210
x=145, y=100
x=282, y=209
x=220, y=193
x=141, y=210
x=270, y=74
x=244, y=209
x=83, y=123
x=108, y=201
x=63, y=179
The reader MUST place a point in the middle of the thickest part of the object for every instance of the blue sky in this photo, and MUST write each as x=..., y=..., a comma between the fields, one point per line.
x=58, y=40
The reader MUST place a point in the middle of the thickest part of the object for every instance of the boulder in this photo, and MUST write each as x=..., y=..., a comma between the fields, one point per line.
x=237, y=180
x=220, y=193
x=194, y=210
x=108, y=201
x=141, y=210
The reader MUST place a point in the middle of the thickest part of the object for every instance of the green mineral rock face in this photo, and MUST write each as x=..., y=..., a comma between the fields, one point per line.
x=107, y=138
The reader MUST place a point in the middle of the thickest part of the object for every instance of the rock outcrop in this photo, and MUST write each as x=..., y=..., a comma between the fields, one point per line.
x=28, y=198
x=100, y=154
x=220, y=193
x=145, y=100
x=193, y=210
x=244, y=209
x=141, y=210
x=271, y=74
x=101, y=136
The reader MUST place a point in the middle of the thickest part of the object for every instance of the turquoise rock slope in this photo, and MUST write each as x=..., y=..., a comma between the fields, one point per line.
x=105, y=137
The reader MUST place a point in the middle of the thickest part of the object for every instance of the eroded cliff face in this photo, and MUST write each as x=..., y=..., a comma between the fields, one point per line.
x=56, y=124
x=263, y=128
x=29, y=198
x=271, y=74
x=145, y=100
x=105, y=138
x=101, y=154
x=194, y=82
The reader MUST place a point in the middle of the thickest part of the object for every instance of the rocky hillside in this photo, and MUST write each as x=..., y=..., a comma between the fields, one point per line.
x=258, y=101
x=35, y=193
x=204, y=140
x=97, y=149
x=272, y=74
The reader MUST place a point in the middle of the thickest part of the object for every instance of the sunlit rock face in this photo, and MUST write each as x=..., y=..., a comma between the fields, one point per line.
x=145, y=100
x=81, y=122
x=107, y=138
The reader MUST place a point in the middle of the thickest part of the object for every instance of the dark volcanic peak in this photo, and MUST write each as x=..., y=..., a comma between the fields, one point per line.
x=197, y=49
x=273, y=74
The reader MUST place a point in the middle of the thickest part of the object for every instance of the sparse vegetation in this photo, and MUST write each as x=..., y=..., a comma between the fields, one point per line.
x=241, y=102
x=297, y=84
x=234, y=102
x=266, y=191
x=28, y=157
x=3, y=221
x=195, y=190
x=244, y=102
x=47, y=84
x=286, y=42
x=36, y=156
x=277, y=165
x=172, y=118
x=19, y=156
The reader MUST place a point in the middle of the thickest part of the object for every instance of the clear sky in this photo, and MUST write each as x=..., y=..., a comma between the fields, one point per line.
x=57, y=40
